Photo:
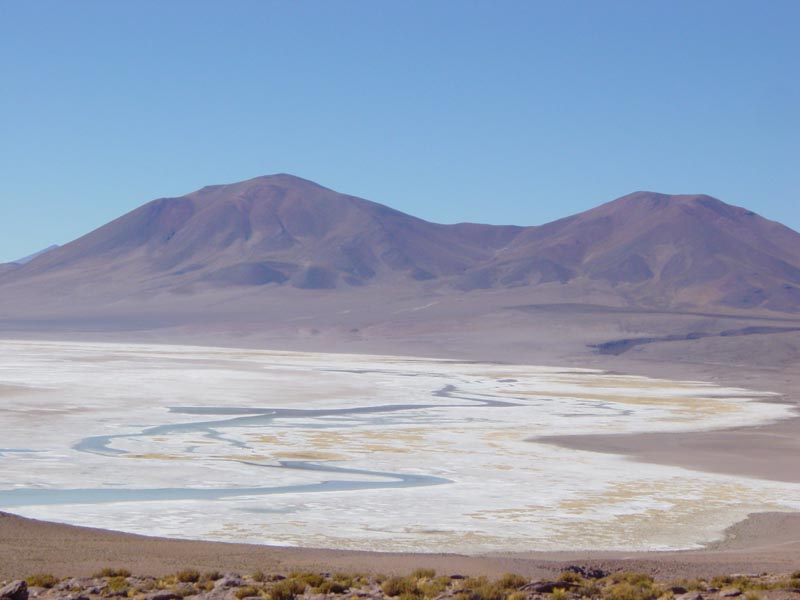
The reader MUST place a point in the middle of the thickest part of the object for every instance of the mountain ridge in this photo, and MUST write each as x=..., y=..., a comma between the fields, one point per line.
x=643, y=249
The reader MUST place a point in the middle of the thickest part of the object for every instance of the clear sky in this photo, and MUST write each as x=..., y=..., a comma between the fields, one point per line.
x=494, y=111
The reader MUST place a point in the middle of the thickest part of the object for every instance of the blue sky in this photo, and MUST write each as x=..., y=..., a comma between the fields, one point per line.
x=499, y=112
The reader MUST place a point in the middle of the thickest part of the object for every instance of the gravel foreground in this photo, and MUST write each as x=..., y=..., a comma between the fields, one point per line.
x=575, y=582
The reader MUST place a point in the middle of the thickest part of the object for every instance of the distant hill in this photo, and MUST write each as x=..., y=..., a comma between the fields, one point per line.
x=280, y=231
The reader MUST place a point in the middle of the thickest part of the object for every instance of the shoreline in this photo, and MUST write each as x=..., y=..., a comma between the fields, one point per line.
x=763, y=542
x=767, y=452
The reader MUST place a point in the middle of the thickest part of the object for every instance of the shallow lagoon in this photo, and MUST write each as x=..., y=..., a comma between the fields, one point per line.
x=367, y=452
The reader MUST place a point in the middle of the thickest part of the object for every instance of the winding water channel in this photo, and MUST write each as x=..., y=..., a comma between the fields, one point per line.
x=361, y=452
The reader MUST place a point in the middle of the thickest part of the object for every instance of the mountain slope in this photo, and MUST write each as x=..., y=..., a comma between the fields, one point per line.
x=660, y=250
x=278, y=229
x=642, y=250
x=30, y=257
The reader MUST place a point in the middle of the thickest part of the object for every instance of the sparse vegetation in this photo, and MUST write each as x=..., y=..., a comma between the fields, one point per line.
x=308, y=578
x=43, y=580
x=118, y=584
x=187, y=576
x=247, y=592
x=395, y=586
x=513, y=581
x=112, y=572
x=575, y=583
x=559, y=594
x=287, y=589
x=332, y=587
x=423, y=574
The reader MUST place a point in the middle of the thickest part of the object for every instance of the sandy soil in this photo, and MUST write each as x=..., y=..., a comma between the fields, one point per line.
x=763, y=543
x=766, y=452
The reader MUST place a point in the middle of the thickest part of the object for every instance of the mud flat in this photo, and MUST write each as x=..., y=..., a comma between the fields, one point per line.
x=358, y=452
x=772, y=450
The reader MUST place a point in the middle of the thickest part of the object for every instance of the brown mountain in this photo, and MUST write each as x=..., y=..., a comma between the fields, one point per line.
x=642, y=250
x=659, y=250
x=279, y=230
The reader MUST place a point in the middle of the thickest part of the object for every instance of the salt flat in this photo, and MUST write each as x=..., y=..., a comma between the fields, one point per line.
x=355, y=451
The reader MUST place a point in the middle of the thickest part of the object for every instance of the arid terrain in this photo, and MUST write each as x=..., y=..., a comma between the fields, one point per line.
x=671, y=287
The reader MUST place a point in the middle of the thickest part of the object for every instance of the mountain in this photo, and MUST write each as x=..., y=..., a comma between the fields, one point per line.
x=660, y=250
x=280, y=231
x=30, y=257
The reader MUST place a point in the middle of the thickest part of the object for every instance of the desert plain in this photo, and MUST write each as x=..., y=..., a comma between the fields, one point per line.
x=652, y=459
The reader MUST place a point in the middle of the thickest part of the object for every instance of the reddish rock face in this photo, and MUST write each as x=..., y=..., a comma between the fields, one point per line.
x=644, y=250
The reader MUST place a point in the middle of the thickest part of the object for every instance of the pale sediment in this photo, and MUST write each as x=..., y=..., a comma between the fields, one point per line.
x=332, y=451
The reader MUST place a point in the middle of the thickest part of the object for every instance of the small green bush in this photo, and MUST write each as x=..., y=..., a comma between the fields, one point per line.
x=640, y=588
x=287, y=589
x=632, y=578
x=187, y=576
x=396, y=586
x=423, y=574
x=112, y=572
x=559, y=594
x=430, y=588
x=348, y=580
x=43, y=580
x=512, y=581
x=118, y=584
x=308, y=577
x=721, y=581
x=480, y=588
x=589, y=588
x=332, y=587
x=258, y=576
x=246, y=592
x=570, y=577
x=695, y=585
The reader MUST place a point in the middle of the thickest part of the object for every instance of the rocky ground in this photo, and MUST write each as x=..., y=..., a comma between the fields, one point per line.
x=574, y=583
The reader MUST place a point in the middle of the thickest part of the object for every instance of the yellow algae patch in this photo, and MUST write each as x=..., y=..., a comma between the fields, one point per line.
x=694, y=406
x=684, y=521
x=677, y=492
x=631, y=381
x=244, y=457
x=383, y=448
x=267, y=439
x=390, y=441
x=529, y=513
x=505, y=435
x=157, y=456
x=406, y=435
x=43, y=412
x=311, y=455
